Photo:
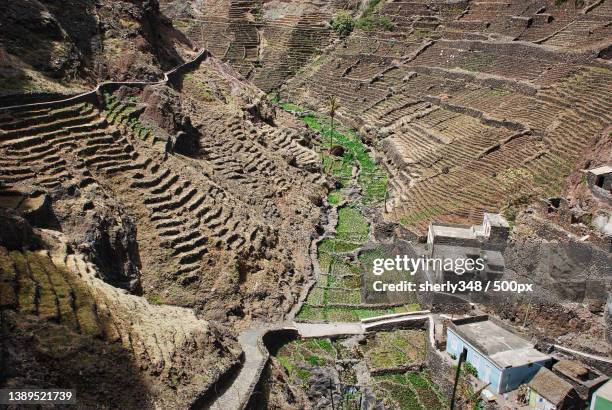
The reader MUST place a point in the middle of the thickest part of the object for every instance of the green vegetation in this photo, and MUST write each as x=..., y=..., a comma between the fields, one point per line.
x=292, y=108
x=47, y=290
x=334, y=197
x=509, y=213
x=155, y=300
x=303, y=357
x=201, y=87
x=412, y=390
x=470, y=369
x=343, y=23
x=393, y=349
x=120, y=113
x=372, y=178
x=372, y=23
x=352, y=232
x=337, y=296
x=348, y=314
x=368, y=21
x=498, y=92
x=414, y=218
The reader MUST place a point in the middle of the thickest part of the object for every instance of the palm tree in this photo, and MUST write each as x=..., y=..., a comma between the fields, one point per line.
x=332, y=104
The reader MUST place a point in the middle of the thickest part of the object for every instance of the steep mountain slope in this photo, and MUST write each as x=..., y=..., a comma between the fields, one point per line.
x=62, y=327
x=182, y=192
x=59, y=46
x=228, y=222
x=476, y=105
x=266, y=41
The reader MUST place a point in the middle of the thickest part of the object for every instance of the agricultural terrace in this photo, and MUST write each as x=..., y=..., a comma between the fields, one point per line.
x=372, y=178
x=337, y=295
x=393, y=362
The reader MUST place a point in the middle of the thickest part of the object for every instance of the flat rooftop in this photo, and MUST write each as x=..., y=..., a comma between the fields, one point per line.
x=504, y=348
x=606, y=169
x=464, y=232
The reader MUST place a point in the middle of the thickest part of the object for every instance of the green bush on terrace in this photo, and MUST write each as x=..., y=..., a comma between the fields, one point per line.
x=352, y=231
x=334, y=197
x=343, y=23
x=371, y=23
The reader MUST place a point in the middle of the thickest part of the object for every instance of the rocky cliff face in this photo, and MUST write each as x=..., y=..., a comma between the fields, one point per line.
x=62, y=47
x=570, y=279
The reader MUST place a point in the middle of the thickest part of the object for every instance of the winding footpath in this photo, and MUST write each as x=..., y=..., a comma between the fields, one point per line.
x=256, y=355
x=255, y=358
x=106, y=85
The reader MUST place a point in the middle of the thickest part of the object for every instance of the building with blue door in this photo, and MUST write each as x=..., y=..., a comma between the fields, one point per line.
x=502, y=359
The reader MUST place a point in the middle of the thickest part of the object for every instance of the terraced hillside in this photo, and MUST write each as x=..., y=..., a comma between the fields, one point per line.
x=382, y=369
x=476, y=105
x=209, y=227
x=63, y=327
x=267, y=42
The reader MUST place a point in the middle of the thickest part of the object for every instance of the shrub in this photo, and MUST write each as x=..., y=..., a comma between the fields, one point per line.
x=155, y=300
x=470, y=369
x=370, y=23
x=509, y=213
x=343, y=23
x=386, y=23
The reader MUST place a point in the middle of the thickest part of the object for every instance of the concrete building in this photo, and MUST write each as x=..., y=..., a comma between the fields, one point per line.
x=548, y=391
x=600, y=181
x=491, y=234
x=502, y=359
x=584, y=379
x=602, y=399
x=468, y=242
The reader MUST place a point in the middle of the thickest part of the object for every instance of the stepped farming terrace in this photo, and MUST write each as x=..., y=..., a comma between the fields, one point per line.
x=343, y=262
x=264, y=41
x=202, y=205
x=456, y=108
x=384, y=367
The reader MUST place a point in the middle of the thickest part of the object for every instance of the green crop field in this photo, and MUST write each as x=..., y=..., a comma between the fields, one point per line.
x=410, y=391
x=304, y=359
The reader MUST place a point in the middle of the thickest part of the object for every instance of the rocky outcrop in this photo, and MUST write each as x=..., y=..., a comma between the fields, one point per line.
x=557, y=262
x=570, y=281
x=16, y=232
x=46, y=43
x=99, y=228
x=163, y=109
